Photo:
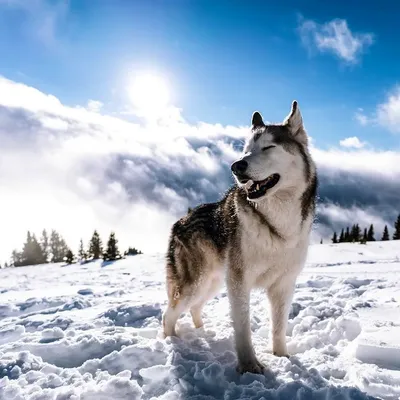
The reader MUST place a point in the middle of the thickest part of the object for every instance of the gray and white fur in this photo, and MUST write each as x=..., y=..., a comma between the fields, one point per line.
x=256, y=236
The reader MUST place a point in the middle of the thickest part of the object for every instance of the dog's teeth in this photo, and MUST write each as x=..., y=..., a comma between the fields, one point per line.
x=258, y=187
x=248, y=184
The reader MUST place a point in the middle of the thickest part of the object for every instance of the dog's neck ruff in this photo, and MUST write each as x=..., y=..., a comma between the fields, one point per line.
x=281, y=212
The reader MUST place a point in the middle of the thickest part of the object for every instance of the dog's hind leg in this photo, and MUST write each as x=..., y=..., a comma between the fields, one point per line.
x=171, y=315
x=211, y=290
x=177, y=304
x=196, y=312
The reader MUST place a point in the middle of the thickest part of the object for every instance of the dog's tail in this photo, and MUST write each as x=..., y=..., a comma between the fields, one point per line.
x=174, y=258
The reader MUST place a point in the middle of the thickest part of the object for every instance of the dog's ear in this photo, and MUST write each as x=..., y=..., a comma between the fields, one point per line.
x=294, y=122
x=256, y=120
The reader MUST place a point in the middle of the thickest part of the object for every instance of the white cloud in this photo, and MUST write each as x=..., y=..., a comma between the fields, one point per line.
x=75, y=169
x=360, y=160
x=361, y=118
x=335, y=37
x=94, y=105
x=353, y=141
x=388, y=113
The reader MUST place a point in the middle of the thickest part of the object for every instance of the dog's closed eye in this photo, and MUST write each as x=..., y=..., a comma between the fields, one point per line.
x=268, y=147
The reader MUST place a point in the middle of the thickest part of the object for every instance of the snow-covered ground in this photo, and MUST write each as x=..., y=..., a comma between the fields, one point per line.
x=92, y=332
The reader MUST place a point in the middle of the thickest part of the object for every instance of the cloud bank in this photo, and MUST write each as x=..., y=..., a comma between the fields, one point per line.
x=75, y=169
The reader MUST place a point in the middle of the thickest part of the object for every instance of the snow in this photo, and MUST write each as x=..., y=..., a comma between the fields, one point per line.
x=93, y=332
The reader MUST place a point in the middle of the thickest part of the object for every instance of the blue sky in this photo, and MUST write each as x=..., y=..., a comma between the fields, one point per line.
x=223, y=59
x=88, y=147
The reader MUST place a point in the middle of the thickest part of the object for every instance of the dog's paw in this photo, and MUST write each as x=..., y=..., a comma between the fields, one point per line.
x=171, y=334
x=281, y=354
x=252, y=366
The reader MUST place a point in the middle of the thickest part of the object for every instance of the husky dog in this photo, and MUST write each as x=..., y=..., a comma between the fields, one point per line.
x=257, y=236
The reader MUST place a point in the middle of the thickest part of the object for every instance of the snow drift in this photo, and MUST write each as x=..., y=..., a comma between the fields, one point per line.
x=87, y=332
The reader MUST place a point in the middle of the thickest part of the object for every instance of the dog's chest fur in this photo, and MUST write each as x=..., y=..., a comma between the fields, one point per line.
x=273, y=243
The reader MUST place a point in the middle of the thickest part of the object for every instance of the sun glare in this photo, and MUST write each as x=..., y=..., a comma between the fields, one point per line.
x=149, y=94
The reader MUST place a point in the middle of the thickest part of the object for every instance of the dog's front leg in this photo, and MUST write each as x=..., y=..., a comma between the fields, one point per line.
x=239, y=298
x=280, y=297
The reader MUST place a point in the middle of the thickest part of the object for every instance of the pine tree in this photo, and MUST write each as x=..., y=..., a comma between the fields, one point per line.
x=95, y=246
x=334, y=238
x=321, y=241
x=32, y=252
x=132, y=251
x=44, y=245
x=112, y=252
x=347, y=237
x=370, y=236
x=69, y=257
x=5, y=265
x=364, y=239
x=189, y=210
x=27, y=250
x=16, y=258
x=396, y=234
x=355, y=233
x=54, y=246
x=341, y=237
x=82, y=255
x=351, y=233
x=37, y=251
x=385, y=235
x=58, y=247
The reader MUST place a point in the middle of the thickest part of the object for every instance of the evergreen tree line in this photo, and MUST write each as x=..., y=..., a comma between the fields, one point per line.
x=51, y=248
x=54, y=249
x=96, y=251
x=354, y=234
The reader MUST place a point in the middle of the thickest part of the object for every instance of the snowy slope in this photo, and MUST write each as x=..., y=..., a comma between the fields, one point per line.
x=92, y=332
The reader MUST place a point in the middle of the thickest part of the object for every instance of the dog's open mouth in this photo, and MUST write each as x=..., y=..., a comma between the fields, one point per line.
x=259, y=188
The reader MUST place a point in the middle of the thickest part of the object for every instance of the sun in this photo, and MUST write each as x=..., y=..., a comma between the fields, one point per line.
x=149, y=94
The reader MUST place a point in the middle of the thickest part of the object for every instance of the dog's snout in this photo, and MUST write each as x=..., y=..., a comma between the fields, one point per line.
x=239, y=167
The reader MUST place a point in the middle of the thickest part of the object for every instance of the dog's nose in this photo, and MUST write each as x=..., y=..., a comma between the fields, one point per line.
x=239, y=167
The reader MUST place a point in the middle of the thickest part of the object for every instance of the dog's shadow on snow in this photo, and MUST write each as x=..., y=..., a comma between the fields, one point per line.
x=205, y=368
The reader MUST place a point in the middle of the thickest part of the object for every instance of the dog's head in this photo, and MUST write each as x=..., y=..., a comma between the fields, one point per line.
x=275, y=157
